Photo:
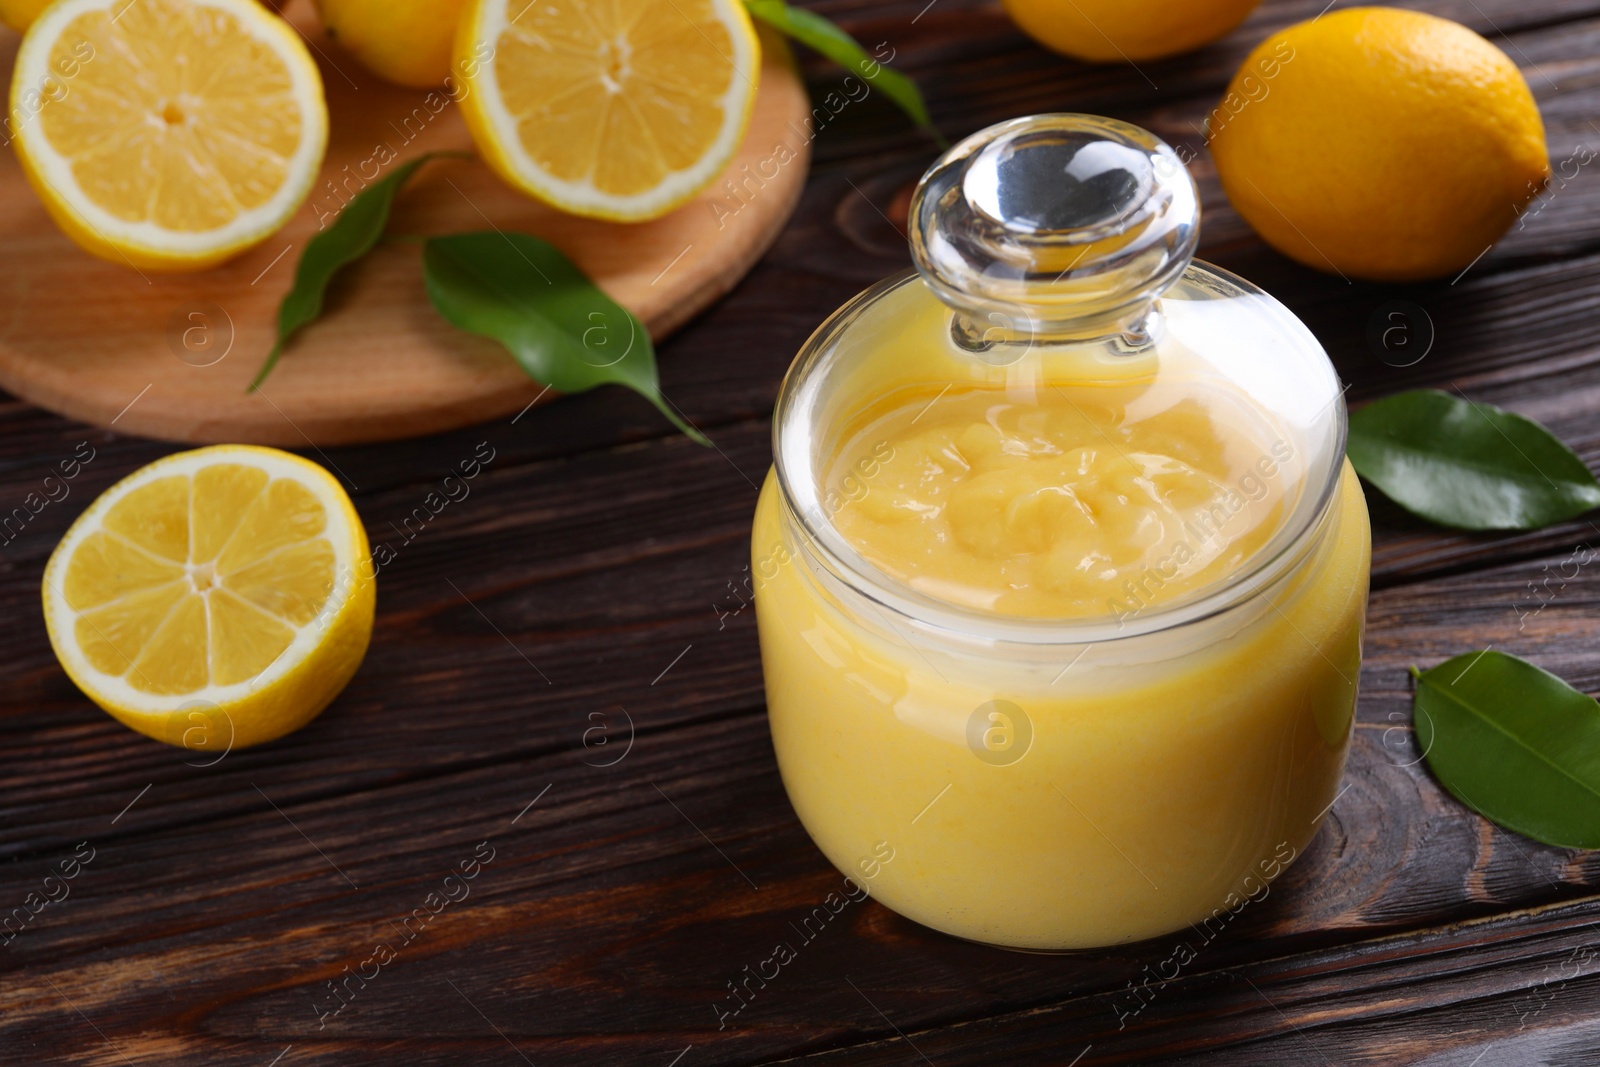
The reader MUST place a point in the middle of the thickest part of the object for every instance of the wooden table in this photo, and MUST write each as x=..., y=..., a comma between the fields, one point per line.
x=593, y=578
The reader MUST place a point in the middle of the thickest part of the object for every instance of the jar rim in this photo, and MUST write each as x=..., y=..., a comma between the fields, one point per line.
x=800, y=500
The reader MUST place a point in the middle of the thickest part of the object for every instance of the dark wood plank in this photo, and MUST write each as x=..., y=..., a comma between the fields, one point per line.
x=603, y=889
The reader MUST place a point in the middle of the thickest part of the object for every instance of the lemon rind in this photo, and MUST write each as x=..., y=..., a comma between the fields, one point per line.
x=344, y=533
x=485, y=20
x=248, y=228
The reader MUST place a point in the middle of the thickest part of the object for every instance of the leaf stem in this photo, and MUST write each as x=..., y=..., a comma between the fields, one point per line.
x=266, y=367
x=688, y=430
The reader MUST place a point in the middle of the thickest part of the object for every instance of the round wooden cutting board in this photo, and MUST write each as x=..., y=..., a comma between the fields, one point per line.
x=169, y=356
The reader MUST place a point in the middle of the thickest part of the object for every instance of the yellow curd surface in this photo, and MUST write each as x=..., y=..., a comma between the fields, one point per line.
x=1070, y=501
x=1055, y=797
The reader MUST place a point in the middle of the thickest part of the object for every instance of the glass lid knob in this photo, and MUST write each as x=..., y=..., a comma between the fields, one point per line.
x=1073, y=224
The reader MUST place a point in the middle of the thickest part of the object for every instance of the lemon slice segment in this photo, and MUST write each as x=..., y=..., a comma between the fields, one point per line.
x=229, y=585
x=618, y=111
x=168, y=134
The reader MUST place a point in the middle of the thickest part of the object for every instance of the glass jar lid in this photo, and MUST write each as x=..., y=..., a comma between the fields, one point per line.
x=1059, y=427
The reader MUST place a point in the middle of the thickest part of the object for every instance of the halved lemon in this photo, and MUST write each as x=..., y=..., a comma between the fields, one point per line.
x=167, y=134
x=621, y=111
x=215, y=599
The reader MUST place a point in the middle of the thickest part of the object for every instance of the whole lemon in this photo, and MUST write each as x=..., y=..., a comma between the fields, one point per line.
x=403, y=41
x=19, y=14
x=1105, y=31
x=1379, y=143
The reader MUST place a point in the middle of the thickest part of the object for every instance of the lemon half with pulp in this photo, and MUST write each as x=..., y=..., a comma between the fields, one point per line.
x=618, y=111
x=167, y=134
x=215, y=598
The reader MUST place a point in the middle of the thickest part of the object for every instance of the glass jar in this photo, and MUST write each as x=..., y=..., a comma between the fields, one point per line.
x=978, y=757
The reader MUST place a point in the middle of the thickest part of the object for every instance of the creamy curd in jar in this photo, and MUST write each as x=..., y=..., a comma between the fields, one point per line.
x=1064, y=616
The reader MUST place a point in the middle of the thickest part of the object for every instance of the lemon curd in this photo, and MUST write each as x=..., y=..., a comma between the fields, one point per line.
x=1060, y=573
x=1075, y=502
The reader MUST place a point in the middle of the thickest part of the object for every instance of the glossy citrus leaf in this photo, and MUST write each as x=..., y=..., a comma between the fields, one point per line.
x=1472, y=466
x=353, y=233
x=524, y=293
x=825, y=38
x=1514, y=743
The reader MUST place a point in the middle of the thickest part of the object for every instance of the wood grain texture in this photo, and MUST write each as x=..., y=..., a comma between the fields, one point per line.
x=597, y=552
x=382, y=364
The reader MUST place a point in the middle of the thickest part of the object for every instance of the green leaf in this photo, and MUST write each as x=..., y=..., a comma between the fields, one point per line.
x=564, y=331
x=820, y=35
x=1472, y=466
x=1515, y=744
x=352, y=235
